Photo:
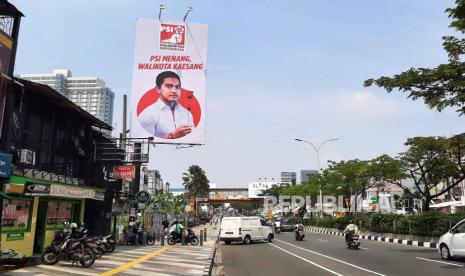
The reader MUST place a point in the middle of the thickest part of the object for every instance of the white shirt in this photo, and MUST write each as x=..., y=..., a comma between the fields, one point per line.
x=351, y=228
x=158, y=119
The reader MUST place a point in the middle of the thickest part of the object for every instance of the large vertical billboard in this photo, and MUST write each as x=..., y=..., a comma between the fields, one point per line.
x=169, y=82
x=6, y=46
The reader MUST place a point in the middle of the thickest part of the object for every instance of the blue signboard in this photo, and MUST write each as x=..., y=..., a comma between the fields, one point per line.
x=5, y=164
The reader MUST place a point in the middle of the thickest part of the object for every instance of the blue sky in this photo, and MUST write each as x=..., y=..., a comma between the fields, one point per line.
x=277, y=70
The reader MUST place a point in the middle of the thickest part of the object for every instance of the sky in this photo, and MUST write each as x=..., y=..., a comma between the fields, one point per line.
x=277, y=70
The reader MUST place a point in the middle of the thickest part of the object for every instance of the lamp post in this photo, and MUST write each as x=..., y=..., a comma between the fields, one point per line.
x=317, y=150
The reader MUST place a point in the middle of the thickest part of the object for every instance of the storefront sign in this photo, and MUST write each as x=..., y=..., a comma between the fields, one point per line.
x=14, y=236
x=73, y=192
x=5, y=164
x=142, y=197
x=35, y=189
x=124, y=172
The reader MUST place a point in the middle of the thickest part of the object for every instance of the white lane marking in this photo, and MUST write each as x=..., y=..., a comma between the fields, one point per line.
x=322, y=240
x=438, y=261
x=364, y=248
x=308, y=261
x=331, y=258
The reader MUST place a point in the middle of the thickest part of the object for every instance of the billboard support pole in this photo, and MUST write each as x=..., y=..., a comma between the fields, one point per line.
x=159, y=13
x=187, y=13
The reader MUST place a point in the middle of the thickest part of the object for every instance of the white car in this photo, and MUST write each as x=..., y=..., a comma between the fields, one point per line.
x=245, y=229
x=452, y=243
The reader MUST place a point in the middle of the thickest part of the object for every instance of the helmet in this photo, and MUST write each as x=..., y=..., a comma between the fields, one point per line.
x=73, y=225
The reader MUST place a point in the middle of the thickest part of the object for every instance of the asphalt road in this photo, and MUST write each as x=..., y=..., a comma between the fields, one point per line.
x=321, y=254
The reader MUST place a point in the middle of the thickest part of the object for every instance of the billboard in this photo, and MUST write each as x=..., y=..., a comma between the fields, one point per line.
x=6, y=46
x=257, y=188
x=169, y=82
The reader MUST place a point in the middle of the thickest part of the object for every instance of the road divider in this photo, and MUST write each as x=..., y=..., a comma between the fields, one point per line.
x=331, y=258
x=378, y=238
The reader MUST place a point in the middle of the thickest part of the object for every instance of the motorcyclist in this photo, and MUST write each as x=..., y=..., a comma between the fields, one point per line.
x=351, y=229
x=298, y=227
x=176, y=229
x=135, y=228
x=277, y=225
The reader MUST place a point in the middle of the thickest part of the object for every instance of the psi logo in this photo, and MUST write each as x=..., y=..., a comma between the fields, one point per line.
x=172, y=37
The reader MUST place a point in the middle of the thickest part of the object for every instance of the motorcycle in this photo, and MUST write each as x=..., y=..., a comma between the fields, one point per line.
x=299, y=235
x=95, y=244
x=66, y=248
x=191, y=238
x=134, y=239
x=277, y=229
x=109, y=243
x=353, y=242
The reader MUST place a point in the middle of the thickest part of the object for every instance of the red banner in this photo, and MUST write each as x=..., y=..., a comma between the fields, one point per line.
x=124, y=172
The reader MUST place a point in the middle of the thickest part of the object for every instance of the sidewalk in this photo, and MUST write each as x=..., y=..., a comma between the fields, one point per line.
x=141, y=260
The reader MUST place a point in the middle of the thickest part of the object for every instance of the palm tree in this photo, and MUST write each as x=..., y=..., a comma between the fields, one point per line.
x=196, y=183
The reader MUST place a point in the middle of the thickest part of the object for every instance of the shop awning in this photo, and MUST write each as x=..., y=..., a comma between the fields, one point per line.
x=37, y=187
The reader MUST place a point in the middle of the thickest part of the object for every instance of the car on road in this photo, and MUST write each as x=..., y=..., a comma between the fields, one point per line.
x=287, y=225
x=245, y=229
x=452, y=243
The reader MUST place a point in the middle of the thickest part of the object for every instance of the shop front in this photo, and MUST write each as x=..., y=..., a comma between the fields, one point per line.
x=33, y=210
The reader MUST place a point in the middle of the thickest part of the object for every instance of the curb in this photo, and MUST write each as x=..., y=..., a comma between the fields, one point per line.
x=380, y=239
x=209, y=265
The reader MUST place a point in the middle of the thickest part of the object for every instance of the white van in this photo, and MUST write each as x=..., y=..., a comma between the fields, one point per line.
x=245, y=229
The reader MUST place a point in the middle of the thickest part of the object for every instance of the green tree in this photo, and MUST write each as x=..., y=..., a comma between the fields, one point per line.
x=196, y=183
x=434, y=164
x=347, y=178
x=168, y=203
x=439, y=87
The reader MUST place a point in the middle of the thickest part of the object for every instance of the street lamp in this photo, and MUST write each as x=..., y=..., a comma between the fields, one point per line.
x=317, y=150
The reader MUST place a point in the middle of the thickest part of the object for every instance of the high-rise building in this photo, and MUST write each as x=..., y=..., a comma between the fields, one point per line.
x=290, y=177
x=305, y=175
x=90, y=93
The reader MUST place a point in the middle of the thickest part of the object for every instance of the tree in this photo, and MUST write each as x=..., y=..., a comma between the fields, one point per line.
x=435, y=164
x=346, y=178
x=168, y=203
x=196, y=183
x=440, y=87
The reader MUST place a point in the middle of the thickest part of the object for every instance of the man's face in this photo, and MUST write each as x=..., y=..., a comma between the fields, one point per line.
x=169, y=90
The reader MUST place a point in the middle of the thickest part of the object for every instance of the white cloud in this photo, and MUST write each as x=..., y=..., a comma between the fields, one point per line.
x=365, y=104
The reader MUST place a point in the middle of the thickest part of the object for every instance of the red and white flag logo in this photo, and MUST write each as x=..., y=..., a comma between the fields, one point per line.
x=172, y=37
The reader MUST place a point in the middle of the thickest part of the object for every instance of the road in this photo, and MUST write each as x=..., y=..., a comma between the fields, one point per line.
x=321, y=254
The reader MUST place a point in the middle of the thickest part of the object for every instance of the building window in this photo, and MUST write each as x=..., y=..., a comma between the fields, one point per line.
x=58, y=213
x=16, y=215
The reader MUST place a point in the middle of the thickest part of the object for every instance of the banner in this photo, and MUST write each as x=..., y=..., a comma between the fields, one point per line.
x=6, y=46
x=169, y=82
x=124, y=172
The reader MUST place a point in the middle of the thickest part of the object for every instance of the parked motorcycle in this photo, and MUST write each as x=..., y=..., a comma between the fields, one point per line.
x=109, y=243
x=353, y=242
x=64, y=247
x=95, y=244
x=134, y=239
x=191, y=238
